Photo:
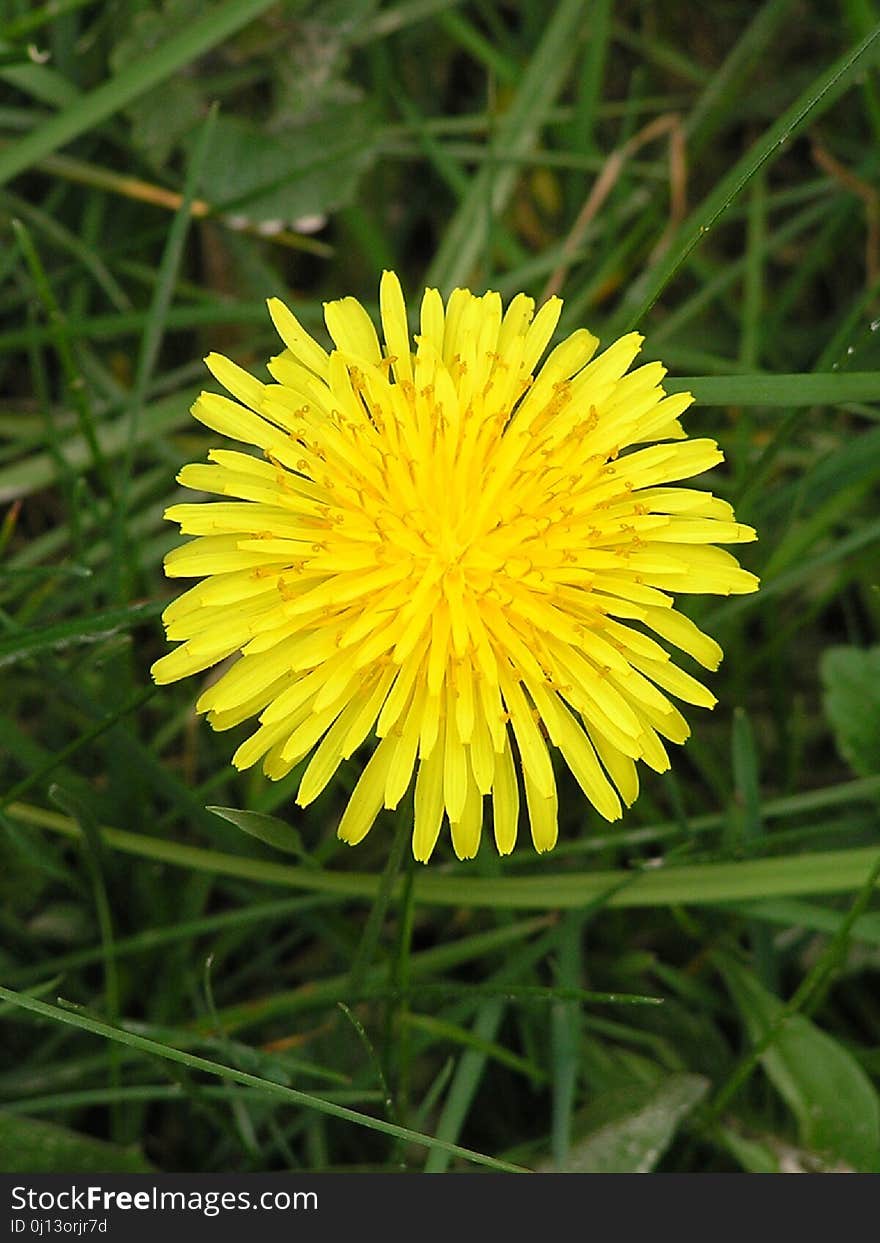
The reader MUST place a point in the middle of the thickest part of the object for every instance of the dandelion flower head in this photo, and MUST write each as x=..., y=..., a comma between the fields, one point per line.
x=454, y=552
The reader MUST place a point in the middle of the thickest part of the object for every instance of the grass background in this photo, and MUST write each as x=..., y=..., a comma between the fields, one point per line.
x=694, y=989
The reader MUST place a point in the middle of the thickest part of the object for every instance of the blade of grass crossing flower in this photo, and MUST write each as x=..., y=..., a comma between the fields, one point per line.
x=833, y=388
x=811, y=104
x=702, y=884
x=304, y=1100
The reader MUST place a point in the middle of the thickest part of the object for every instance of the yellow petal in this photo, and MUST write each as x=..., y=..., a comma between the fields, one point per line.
x=301, y=345
x=542, y=814
x=240, y=383
x=352, y=329
x=505, y=801
x=466, y=830
x=428, y=805
x=367, y=796
x=394, y=326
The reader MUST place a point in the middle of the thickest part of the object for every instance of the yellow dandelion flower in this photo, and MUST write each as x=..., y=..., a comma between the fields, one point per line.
x=457, y=551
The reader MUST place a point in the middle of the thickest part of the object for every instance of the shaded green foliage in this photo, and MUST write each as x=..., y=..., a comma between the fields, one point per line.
x=851, y=678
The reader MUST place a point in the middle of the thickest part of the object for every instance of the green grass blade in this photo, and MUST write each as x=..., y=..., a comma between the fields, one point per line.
x=831, y=389
x=303, y=1100
x=815, y=101
x=465, y=239
x=827, y=871
x=93, y=629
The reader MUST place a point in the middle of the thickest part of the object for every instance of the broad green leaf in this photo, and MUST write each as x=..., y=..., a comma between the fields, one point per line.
x=301, y=171
x=754, y=1155
x=162, y=117
x=269, y=829
x=627, y=1131
x=767, y=1154
x=831, y=1097
x=851, y=682
x=28, y=1146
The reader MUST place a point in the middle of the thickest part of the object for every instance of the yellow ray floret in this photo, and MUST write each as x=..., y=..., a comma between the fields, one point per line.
x=466, y=559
